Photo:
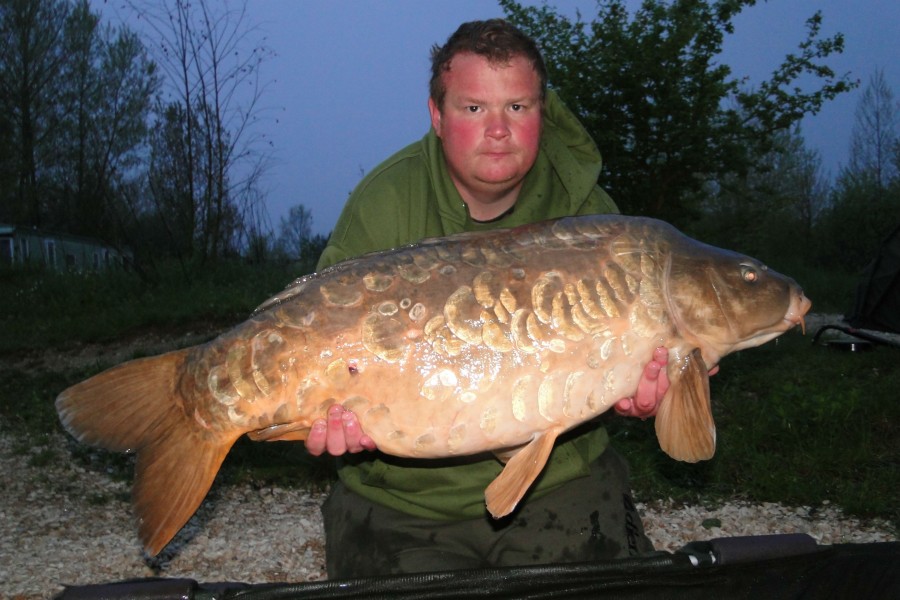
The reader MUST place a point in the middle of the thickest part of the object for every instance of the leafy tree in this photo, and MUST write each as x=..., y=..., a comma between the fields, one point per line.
x=865, y=203
x=296, y=240
x=31, y=61
x=771, y=211
x=173, y=180
x=74, y=98
x=667, y=115
x=260, y=247
x=107, y=86
x=858, y=220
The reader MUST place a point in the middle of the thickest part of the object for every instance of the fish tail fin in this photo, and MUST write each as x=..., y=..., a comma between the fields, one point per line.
x=172, y=477
x=137, y=407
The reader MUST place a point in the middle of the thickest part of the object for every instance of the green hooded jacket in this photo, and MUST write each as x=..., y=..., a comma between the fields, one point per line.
x=410, y=196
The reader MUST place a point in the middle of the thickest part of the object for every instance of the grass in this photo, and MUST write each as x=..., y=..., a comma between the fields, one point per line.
x=797, y=423
x=45, y=309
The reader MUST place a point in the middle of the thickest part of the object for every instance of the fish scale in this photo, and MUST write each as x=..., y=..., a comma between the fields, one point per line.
x=482, y=342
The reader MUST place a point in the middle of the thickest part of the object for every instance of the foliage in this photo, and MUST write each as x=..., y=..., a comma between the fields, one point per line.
x=666, y=114
x=865, y=201
x=858, y=221
x=77, y=154
x=769, y=213
x=107, y=91
x=76, y=98
x=31, y=59
x=684, y=139
x=296, y=231
x=179, y=190
x=296, y=241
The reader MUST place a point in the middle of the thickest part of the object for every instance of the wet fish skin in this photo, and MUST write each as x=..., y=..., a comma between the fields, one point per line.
x=496, y=341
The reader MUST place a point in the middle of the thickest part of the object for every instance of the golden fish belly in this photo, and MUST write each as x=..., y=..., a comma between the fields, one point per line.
x=439, y=372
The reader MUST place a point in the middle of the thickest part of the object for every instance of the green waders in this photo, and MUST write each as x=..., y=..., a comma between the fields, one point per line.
x=588, y=519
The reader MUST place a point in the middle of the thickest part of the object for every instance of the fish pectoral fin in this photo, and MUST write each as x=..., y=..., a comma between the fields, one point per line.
x=505, y=455
x=522, y=468
x=684, y=422
x=285, y=432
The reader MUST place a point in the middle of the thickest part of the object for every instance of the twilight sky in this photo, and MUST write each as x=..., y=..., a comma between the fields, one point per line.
x=348, y=83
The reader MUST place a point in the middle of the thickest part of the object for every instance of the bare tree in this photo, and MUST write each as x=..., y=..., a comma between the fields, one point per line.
x=212, y=69
x=873, y=141
x=296, y=231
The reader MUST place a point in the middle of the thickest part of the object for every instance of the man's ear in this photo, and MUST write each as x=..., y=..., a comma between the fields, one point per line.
x=435, y=113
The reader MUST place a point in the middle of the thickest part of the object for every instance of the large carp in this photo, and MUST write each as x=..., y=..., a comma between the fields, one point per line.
x=481, y=342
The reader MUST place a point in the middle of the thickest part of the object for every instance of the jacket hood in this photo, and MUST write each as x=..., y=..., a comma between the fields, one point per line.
x=571, y=151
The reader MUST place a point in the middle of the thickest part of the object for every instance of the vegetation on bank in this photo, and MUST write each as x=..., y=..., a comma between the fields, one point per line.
x=797, y=423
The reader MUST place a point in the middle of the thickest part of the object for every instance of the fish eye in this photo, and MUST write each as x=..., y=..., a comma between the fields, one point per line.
x=749, y=274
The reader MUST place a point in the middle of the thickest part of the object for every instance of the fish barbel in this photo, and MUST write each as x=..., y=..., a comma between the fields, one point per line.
x=479, y=342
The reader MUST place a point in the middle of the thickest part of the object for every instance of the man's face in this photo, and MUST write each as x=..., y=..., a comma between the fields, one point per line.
x=490, y=129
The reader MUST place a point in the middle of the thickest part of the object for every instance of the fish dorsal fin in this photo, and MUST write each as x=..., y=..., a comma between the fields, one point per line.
x=522, y=468
x=684, y=423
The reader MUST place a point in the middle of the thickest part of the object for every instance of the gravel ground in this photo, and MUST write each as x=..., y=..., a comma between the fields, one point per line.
x=61, y=524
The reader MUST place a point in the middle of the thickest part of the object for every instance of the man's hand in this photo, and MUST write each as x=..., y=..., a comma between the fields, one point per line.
x=338, y=434
x=651, y=389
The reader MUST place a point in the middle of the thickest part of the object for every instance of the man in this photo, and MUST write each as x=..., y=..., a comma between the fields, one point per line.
x=502, y=151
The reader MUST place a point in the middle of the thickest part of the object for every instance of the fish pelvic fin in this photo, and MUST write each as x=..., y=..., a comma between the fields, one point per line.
x=136, y=407
x=522, y=468
x=684, y=422
x=285, y=432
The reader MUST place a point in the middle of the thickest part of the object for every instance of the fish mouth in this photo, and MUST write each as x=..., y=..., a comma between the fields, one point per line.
x=796, y=312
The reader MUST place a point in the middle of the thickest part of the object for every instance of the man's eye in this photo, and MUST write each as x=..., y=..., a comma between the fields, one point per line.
x=473, y=108
x=517, y=107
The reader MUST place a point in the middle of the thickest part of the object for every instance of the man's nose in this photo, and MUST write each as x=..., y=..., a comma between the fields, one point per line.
x=497, y=126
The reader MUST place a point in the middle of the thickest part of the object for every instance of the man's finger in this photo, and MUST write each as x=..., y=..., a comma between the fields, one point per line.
x=334, y=437
x=645, y=399
x=352, y=432
x=357, y=441
x=624, y=406
x=315, y=443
